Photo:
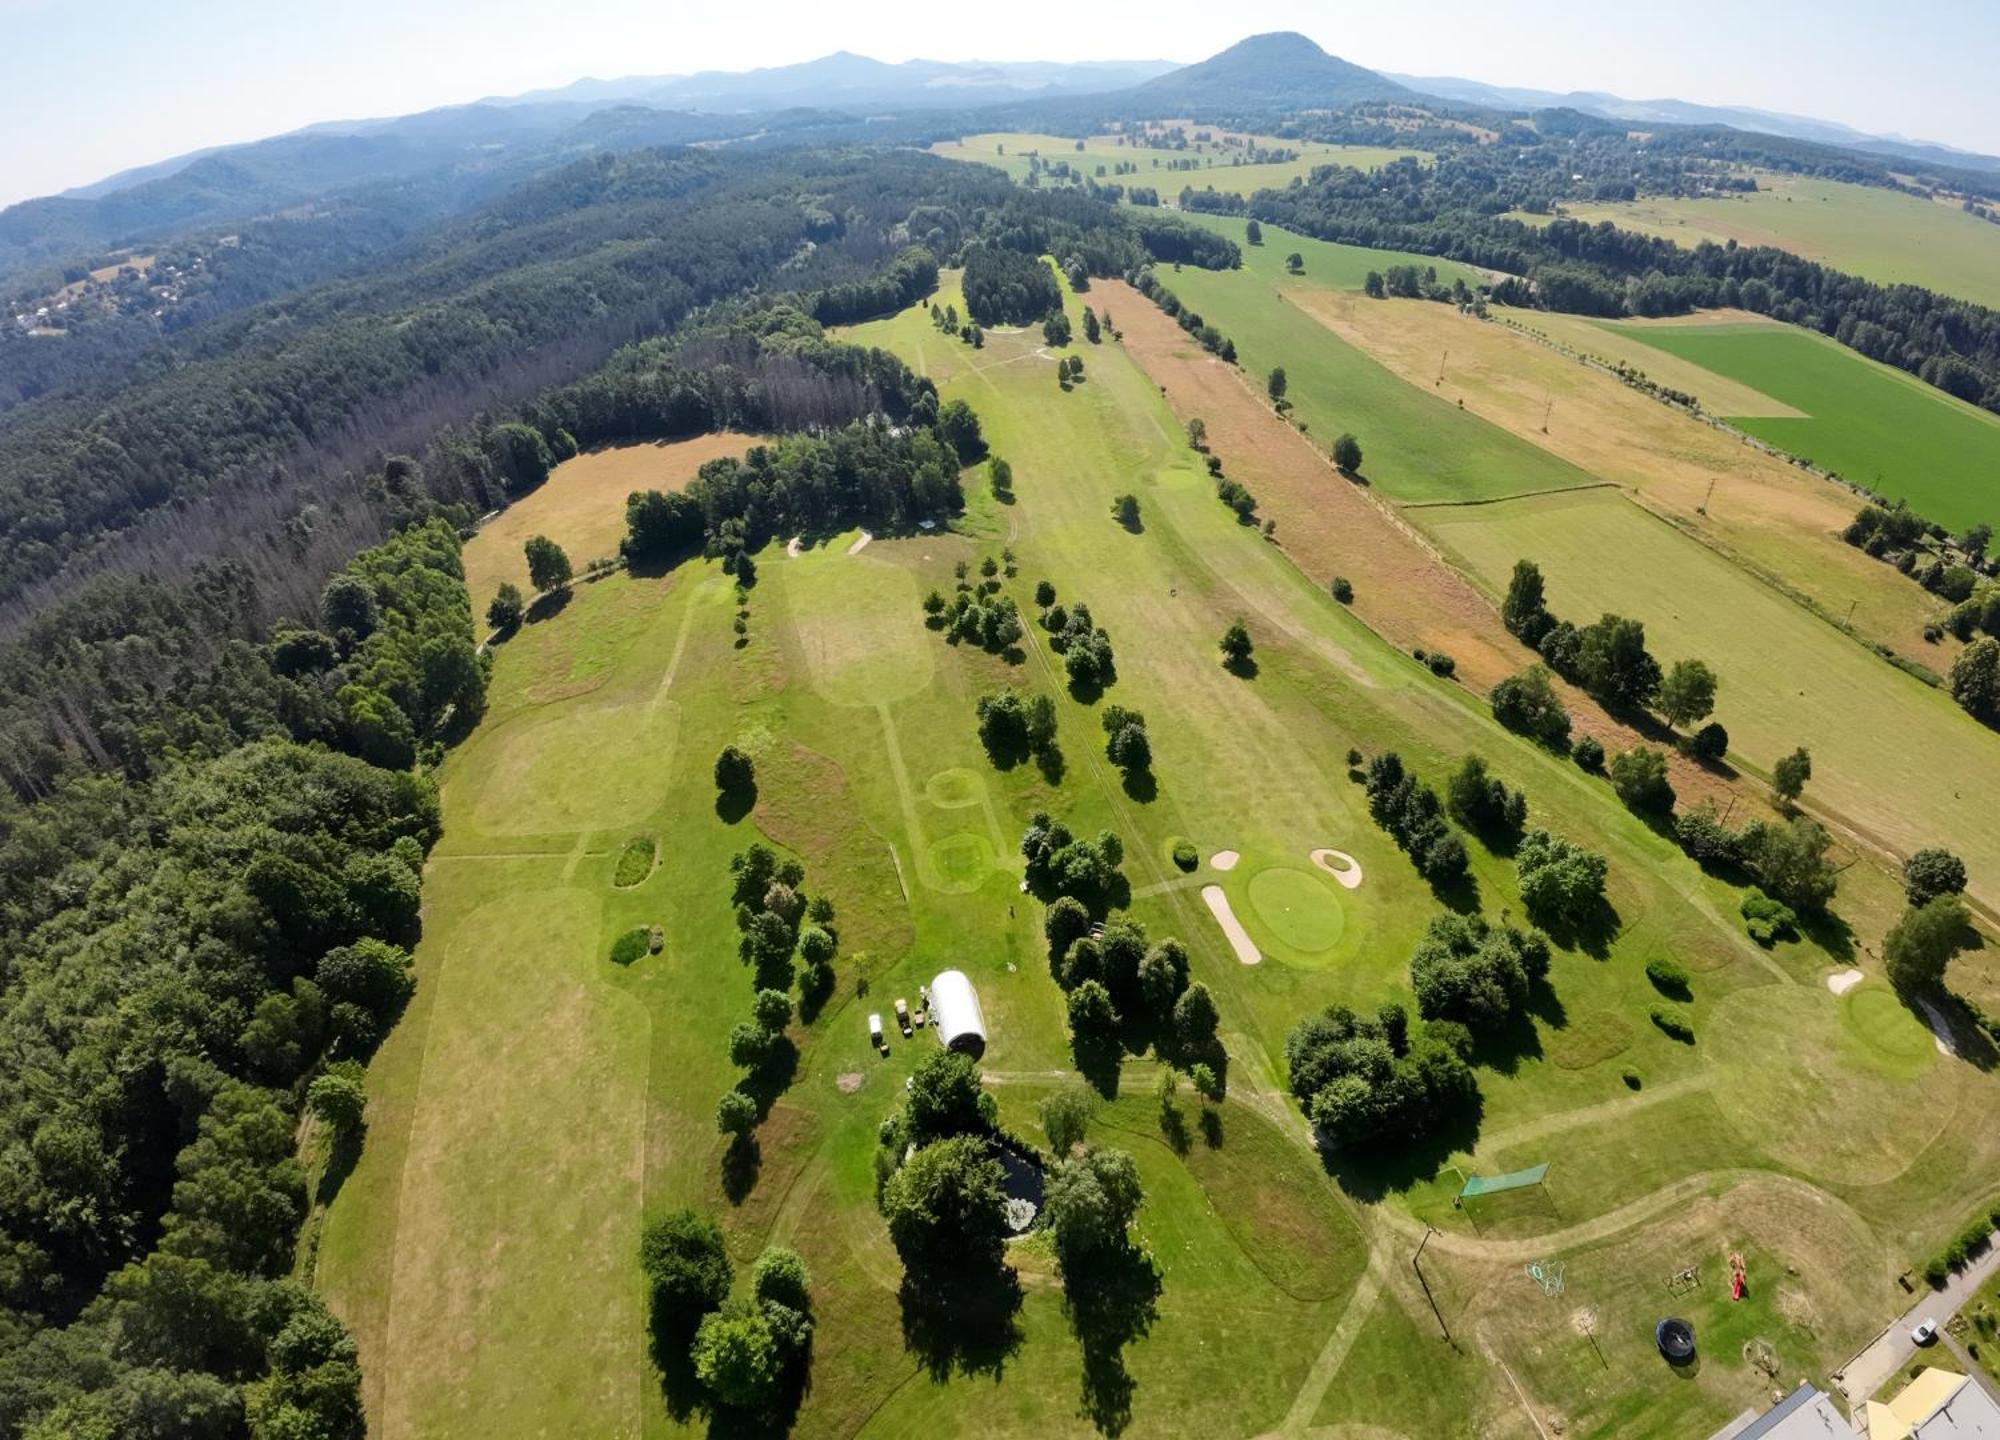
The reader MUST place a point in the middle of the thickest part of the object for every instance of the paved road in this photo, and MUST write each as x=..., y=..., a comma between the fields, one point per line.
x=1891, y=1350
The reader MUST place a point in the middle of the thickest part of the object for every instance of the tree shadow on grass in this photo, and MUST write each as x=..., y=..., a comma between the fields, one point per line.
x=732, y=806
x=1460, y=894
x=343, y=1153
x=1211, y=1127
x=742, y=1162
x=1828, y=931
x=546, y=606
x=1141, y=786
x=1243, y=669
x=1099, y=1063
x=669, y=1340
x=1049, y=760
x=1111, y=1302
x=961, y=1324
x=1372, y=1173
x=1591, y=932
x=772, y=1076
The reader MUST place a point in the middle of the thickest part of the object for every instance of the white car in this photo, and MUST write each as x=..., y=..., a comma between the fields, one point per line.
x=1924, y=1332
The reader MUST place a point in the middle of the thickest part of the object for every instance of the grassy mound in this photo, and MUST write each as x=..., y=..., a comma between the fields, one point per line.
x=635, y=861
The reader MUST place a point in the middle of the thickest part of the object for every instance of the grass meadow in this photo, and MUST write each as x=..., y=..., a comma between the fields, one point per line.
x=1010, y=151
x=1866, y=230
x=539, y=1102
x=1868, y=422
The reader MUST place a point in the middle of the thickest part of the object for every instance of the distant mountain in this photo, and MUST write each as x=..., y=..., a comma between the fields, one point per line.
x=1686, y=112
x=1279, y=70
x=845, y=80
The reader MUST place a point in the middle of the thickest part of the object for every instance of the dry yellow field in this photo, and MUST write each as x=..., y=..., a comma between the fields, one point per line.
x=1613, y=344
x=1780, y=521
x=582, y=507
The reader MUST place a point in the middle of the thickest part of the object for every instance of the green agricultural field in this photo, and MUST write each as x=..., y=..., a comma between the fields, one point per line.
x=1415, y=448
x=1867, y=422
x=1866, y=230
x=1218, y=163
x=538, y=1103
x=1788, y=678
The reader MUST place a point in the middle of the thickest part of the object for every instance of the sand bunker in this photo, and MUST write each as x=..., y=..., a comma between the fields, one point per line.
x=1845, y=981
x=1239, y=938
x=862, y=540
x=1342, y=866
x=792, y=546
x=1224, y=859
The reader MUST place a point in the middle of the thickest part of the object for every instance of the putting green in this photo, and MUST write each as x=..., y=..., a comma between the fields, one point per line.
x=1891, y=1038
x=961, y=863
x=1297, y=907
x=954, y=789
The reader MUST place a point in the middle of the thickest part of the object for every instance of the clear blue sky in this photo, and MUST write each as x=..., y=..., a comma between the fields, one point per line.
x=91, y=88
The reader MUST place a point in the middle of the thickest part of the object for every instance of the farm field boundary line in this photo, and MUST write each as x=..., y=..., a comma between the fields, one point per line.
x=1503, y=499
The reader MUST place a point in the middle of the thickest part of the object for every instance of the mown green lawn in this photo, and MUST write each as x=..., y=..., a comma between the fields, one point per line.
x=1215, y=163
x=1866, y=422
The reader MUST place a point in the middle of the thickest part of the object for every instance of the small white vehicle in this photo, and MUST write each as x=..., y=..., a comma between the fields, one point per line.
x=875, y=1033
x=1924, y=1332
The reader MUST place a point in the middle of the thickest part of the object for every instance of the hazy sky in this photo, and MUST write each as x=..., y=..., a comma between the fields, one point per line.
x=90, y=88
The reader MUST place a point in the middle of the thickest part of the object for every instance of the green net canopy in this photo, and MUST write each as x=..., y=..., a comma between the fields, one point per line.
x=1512, y=1180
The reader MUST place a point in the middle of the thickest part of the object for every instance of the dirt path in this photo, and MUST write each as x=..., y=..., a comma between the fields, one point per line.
x=1886, y=1353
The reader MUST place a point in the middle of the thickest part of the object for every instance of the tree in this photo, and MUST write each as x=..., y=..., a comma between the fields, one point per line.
x=687, y=1268
x=1711, y=742
x=1277, y=385
x=1923, y=943
x=772, y=1010
x=1480, y=802
x=1066, y=922
x=736, y=1113
x=945, y=1209
x=958, y=425
x=505, y=611
x=1093, y=1020
x=1528, y=703
x=780, y=1277
x=1560, y=882
x=1125, y=510
x=1253, y=233
x=1066, y=1116
x=1236, y=645
x=735, y=771
x=1790, y=861
x=1055, y=330
x=1195, y=1017
x=736, y=1356
x=1197, y=433
x=1789, y=775
x=1477, y=974
x=1525, y=612
x=1614, y=664
x=1975, y=679
x=946, y=1098
x=548, y=565
x=1092, y=331
x=1089, y=1202
x=339, y=1101
x=1001, y=477
x=1930, y=873
x=1639, y=776
x=1687, y=695
x=1347, y=454
x=1372, y=285
x=1296, y=263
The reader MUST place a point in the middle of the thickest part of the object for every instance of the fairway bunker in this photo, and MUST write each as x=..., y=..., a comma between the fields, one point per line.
x=1342, y=866
x=1843, y=981
x=1239, y=938
x=1224, y=859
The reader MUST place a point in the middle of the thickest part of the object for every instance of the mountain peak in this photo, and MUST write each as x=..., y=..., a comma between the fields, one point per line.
x=1282, y=69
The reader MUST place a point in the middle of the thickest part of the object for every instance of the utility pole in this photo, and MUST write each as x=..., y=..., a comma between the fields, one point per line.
x=1548, y=410
x=1709, y=496
x=1441, y=359
x=1443, y=1329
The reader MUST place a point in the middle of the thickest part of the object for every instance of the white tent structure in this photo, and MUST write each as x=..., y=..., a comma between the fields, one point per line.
x=955, y=1011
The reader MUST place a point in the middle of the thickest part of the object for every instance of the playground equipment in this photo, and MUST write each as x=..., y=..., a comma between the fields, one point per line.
x=1739, y=1279
x=1682, y=1281
x=1675, y=1337
x=1549, y=1275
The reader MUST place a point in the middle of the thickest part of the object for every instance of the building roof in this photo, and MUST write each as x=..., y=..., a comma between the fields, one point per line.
x=1937, y=1405
x=1805, y=1414
x=955, y=1009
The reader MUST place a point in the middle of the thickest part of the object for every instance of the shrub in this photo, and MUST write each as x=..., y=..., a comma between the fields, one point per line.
x=1631, y=1078
x=1441, y=664
x=1673, y=1023
x=1589, y=754
x=1639, y=775
x=1185, y=855
x=1342, y=589
x=1705, y=838
x=735, y=772
x=1480, y=802
x=1527, y=703
x=1767, y=920
x=1710, y=743
x=631, y=945
x=1669, y=977
x=1561, y=882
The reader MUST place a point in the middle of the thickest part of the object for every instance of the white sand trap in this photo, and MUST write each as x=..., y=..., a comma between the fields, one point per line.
x=1342, y=866
x=1239, y=938
x=1224, y=859
x=792, y=546
x=1940, y=1028
x=1845, y=981
x=860, y=543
